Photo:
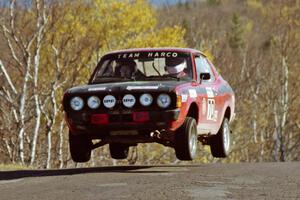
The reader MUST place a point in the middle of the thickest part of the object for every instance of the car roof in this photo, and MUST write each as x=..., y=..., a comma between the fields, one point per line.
x=184, y=50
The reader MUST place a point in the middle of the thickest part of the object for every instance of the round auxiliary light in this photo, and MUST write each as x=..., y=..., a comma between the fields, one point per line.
x=146, y=99
x=76, y=103
x=128, y=100
x=163, y=100
x=109, y=101
x=94, y=102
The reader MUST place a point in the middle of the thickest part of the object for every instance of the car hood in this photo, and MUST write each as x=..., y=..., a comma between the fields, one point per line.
x=136, y=86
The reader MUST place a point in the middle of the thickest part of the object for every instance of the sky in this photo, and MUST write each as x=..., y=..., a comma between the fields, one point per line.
x=166, y=2
x=154, y=2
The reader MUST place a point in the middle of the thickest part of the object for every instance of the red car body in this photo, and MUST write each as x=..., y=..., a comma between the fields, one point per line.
x=203, y=97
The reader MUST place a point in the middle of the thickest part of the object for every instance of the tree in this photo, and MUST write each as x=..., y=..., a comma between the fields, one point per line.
x=259, y=59
x=52, y=47
x=26, y=56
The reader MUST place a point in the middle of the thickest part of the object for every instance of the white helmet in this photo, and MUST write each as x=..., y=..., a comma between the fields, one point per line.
x=175, y=65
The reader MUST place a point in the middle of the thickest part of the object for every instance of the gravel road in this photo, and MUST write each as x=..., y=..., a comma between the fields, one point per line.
x=207, y=181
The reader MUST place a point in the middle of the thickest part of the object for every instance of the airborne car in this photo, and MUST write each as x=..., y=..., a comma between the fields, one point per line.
x=171, y=96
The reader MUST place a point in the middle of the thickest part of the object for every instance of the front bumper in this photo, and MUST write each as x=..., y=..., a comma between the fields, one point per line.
x=80, y=122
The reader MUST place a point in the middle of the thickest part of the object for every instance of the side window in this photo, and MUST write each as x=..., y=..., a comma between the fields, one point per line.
x=203, y=66
x=198, y=62
x=208, y=69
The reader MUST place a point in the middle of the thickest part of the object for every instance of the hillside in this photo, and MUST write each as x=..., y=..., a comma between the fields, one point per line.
x=255, y=45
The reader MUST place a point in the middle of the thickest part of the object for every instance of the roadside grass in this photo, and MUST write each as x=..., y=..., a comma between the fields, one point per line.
x=12, y=167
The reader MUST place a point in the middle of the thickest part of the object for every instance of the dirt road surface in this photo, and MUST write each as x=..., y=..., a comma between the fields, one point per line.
x=207, y=181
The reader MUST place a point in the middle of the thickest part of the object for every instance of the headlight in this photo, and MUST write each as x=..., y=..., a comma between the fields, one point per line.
x=163, y=100
x=76, y=103
x=94, y=102
x=129, y=100
x=146, y=99
x=109, y=101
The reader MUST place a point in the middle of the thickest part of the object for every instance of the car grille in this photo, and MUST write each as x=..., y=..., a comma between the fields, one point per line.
x=114, y=118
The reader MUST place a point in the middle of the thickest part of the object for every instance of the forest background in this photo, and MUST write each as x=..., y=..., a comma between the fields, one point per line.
x=49, y=46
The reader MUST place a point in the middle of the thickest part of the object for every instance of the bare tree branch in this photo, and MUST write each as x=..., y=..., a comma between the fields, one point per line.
x=6, y=33
x=2, y=67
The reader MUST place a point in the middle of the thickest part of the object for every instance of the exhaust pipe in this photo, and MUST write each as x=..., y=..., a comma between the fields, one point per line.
x=155, y=134
x=160, y=134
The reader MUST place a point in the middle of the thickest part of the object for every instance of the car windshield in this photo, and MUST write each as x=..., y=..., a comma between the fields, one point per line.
x=134, y=66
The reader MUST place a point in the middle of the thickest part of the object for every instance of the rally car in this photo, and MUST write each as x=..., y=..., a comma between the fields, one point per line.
x=171, y=96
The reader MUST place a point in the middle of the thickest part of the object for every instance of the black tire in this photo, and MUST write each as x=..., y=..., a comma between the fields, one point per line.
x=118, y=151
x=186, y=140
x=220, y=143
x=80, y=147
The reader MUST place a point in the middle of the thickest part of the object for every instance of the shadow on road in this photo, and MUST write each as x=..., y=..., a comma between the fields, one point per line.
x=10, y=175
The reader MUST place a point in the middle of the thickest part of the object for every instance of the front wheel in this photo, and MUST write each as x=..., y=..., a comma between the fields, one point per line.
x=80, y=147
x=220, y=143
x=186, y=140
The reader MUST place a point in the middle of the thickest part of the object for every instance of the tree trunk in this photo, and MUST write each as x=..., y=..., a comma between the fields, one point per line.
x=49, y=142
x=23, y=113
x=61, y=144
x=280, y=115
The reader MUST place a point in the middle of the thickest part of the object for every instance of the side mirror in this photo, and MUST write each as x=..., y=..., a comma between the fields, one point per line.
x=204, y=76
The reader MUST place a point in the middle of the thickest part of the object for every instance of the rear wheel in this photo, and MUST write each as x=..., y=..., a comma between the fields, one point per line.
x=118, y=151
x=80, y=147
x=220, y=143
x=186, y=140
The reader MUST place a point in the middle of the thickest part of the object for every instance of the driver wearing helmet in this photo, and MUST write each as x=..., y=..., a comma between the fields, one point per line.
x=176, y=67
x=126, y=68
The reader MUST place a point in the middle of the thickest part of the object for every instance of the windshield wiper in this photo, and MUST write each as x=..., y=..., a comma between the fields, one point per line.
x=155, y=69
x=163, y=77
x=172, y=76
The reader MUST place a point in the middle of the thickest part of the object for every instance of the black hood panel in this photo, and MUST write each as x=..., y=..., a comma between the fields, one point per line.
x=138, y=86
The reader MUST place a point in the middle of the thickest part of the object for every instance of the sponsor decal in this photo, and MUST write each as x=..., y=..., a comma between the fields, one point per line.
x=162, y=54
x=142, y=87
x=184, y=98
x=129, y=55
x=128, y=100
x=210, y=109
x=212, y=113
x=210, y=92
x=166, y=54
x=109, y=101
x=203, y=106
x=192, y=93
x=97, y=89
x=146, y=99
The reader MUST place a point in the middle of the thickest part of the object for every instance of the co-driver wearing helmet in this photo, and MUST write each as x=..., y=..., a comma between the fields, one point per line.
x=176, y=67
x=125, y=68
